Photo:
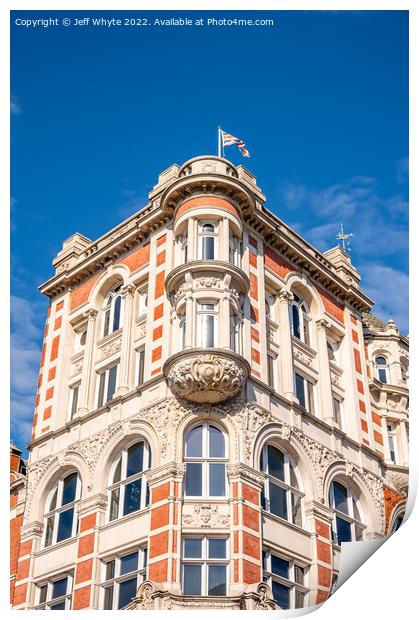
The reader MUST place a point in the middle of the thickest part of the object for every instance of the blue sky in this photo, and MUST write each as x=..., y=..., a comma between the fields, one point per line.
x=321, y=100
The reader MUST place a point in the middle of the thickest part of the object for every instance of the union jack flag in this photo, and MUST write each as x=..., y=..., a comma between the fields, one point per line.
x=229, y=140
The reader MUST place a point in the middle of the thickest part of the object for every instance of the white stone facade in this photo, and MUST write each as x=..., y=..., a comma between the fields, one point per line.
x=205, y=319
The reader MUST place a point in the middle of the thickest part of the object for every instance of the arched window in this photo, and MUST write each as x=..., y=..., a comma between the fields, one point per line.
x=300, y=320
x=128, y=489
x=112, y=311
x=208, y=240
x=381, y=368
x=347, y=522
x=282, y=495
x=397, y=523
x=60, y=516
x=206, y=458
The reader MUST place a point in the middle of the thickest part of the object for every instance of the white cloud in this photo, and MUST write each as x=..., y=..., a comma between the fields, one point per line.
x=402, y=170
x=389, y=288
x=14, y=106
x=27, y=319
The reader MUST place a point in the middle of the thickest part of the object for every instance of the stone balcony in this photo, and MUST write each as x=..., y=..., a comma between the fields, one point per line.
x=206, y=375
x=208, y=276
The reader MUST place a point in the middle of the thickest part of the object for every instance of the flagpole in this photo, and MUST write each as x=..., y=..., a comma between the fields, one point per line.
x=219, y=141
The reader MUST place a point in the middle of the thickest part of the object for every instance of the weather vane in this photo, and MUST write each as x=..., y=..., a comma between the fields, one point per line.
x=343, y=238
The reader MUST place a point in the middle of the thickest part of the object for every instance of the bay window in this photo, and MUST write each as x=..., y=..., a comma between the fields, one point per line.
x=208, y=240
x=207, y=318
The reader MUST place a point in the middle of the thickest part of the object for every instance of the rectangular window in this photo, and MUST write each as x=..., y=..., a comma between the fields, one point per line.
x=107, y=385
x=74, y=399
x=140, y=366
x=55, y=594
x=286, y=579
x=207, y=325
x=271, y=370
x=336, y=412
x=391, y=431
x=304, y=390
x=204, y=566
x=121, y=577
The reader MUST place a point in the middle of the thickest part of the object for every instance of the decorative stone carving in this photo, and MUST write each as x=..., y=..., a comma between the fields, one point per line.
x=175, y=470
x=334, y=378
x=206, y=377
x=398, y=479
x=302, y=357
x=77, y=367
x=320, y=456
x=111, y=348
x=144, y=598
x=265, y=598
x=205, y=515
x=244, y=472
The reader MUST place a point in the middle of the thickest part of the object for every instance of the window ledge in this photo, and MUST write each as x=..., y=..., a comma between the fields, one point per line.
x=133, y=515
x=55, y=546
x=293, y=526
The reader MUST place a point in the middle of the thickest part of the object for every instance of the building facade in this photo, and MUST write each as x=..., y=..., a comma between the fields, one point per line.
x=212, y=419
x=17, y=505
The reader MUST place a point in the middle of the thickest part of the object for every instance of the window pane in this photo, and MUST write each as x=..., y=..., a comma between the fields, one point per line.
x=296, y=509
x=343, y=530
x=59, y=588
x=111, y=383
x=65, y=524
x=101, y=392
x=49, y=531
x=306, y=327
x=340, y=494
x=141, y=355
x=110, y=570
x=299, y=575
x=310, y=397
x=207, y=330
x=106, y=323
x=191, y=579
x=208, y=247
x=293, y=477
x=278, y=501
x=275, y=463
x=192, y=547
x=217, y=582
x=58, y=606
x=135, y=459
x=382, y=375
x=193, y=479
x=117, y=472
x=217, y=548
x=217, y=480
x=116, y=314
x=113, y=512
x=299, y=389
x=127, y=591
x=128, y=563
x=194, y=442
x=43, y=594
x=279, y=567
x=74, y=399
x=107, y=598
x=381, y=361
x=299, y=599
x=69, y=489
x=53, y=502
x=296, y=322
x=216, y=442
x=132, y=499
x=281, y=594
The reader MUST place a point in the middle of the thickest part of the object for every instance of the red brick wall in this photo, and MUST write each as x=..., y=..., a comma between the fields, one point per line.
x=209, y=201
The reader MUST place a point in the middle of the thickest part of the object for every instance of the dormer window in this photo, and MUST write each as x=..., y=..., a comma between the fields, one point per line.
x=208, y=240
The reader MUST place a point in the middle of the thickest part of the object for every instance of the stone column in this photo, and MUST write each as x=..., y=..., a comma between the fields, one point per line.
x=224, y=322
x=324, y=391
x=30, y=542
x=126, y=343
x=191, y=239
x=88, y=359
x=189, y=318
x=286, y=363
x=246, y=484
x=223, y=240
